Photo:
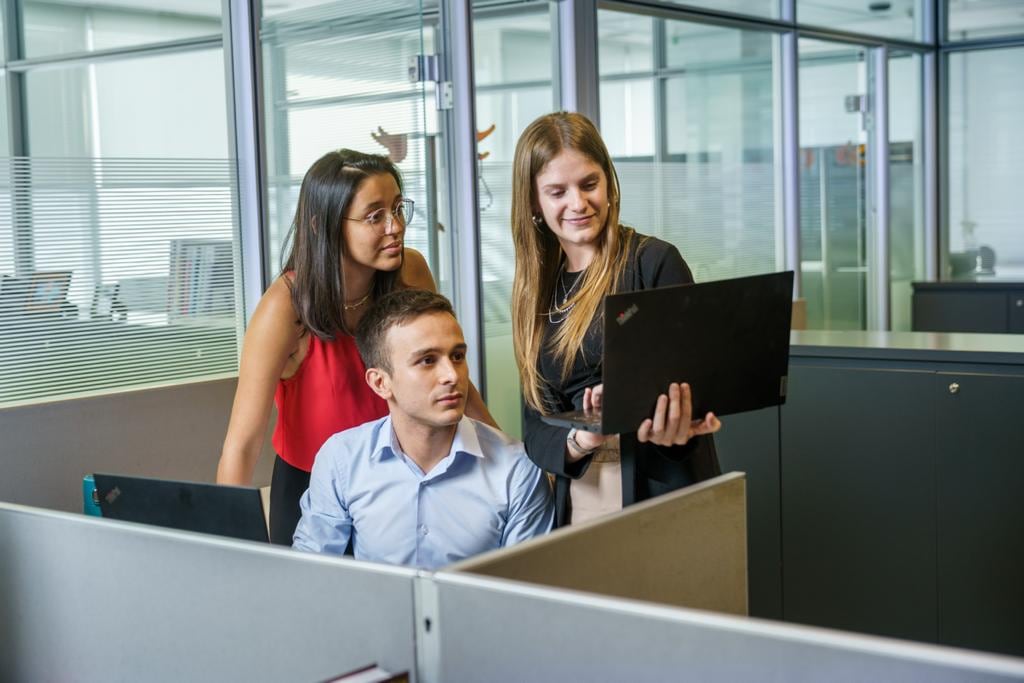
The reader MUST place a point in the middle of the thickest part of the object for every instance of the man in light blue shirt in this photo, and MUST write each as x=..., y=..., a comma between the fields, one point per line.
x=426, y=485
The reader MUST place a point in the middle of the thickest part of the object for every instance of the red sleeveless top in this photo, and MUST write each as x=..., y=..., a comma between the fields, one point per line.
x=327, y=394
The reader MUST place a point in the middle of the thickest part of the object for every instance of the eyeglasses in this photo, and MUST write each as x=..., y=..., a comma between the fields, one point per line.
x=381, y=220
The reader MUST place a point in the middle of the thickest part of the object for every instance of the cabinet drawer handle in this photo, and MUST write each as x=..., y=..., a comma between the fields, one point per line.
x=954, y=388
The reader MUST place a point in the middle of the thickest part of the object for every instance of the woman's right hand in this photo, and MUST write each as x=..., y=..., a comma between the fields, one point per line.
x=588, y=441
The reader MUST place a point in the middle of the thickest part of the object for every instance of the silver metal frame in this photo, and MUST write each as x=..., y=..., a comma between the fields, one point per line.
x=459, y=125
x=578, y=83
x=242, y=64
x=62, y=61
x=17, y=140
x=879, y=305
x=930, y=156
x=790, y=153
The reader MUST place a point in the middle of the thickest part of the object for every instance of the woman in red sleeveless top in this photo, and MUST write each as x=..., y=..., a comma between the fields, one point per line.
x=346, y=251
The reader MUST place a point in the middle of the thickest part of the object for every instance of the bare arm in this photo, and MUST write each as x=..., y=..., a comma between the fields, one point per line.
x=416, y=275
x=270, y=346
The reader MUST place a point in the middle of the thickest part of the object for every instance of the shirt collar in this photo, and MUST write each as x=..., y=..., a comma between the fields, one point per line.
x=385, y=442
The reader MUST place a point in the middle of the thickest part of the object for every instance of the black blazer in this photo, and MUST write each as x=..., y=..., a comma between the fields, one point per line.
x=652, y=263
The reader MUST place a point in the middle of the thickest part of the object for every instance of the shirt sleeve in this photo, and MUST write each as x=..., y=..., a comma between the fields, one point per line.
x=326, y=525
x=531, y=504
x=545, y=445
x=662, y=265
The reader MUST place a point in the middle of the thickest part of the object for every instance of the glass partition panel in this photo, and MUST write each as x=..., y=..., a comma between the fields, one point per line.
x=694, y=144
x=336, y=75
x=118, y=244
x=832, y=184
x=886, y=18
x=976, y=19
x=513, y=62
x=983, y=235
x=56, y=28
x=625, y=43
x=758, y=8
x=906, y=189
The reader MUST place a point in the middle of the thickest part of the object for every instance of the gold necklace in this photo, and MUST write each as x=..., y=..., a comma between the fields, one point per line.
x=349, y=307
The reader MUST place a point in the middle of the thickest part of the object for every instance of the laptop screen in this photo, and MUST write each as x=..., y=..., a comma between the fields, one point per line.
x=728, y=339
x=234, y=511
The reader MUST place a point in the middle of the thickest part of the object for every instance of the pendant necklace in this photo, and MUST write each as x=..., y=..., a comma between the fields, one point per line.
x=557, y=313
x=349, y=307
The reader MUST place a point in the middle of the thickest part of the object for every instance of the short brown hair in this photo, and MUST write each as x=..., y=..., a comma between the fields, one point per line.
x=396, y=308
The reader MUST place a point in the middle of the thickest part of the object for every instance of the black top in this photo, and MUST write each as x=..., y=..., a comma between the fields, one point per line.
x=652, y=263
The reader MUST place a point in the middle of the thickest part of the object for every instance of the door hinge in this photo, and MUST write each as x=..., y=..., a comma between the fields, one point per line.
x=427, y=69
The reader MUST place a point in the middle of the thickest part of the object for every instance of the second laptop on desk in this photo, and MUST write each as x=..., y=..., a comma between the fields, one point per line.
x=235, y=511
x=728, y=339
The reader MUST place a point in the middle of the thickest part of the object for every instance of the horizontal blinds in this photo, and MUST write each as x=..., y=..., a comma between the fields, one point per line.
x=115, y=274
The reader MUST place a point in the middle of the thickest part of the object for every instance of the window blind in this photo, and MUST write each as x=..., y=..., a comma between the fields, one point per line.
x=115, y=274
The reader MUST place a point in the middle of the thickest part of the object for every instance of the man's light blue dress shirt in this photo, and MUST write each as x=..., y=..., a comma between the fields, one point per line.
x=485, y=494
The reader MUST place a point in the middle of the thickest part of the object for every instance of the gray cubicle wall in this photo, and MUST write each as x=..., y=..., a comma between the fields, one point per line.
x=86, y=599
x=173, y=432
x=496, y=630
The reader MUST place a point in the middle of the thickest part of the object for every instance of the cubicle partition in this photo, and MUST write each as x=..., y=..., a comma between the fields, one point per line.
x=496, y=630
x=687, y=548
x=91, y=599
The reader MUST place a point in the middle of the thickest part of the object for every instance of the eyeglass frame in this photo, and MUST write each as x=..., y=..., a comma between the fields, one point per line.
x=408, y=206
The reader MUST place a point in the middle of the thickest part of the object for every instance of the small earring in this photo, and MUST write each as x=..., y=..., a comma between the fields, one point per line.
x=538, y=220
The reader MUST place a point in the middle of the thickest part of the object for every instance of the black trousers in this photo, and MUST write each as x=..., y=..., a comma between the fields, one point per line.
x=287, y=485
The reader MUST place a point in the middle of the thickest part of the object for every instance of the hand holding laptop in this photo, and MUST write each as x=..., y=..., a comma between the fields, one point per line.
x=671, y=425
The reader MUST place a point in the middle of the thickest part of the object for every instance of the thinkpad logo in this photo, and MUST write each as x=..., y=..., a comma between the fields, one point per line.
x=623, y=318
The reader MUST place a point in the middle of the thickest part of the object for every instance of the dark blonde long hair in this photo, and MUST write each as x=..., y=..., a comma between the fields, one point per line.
x=314, y=262
x=539, y=256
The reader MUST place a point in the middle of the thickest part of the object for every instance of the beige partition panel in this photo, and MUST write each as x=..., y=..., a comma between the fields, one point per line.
x=687, y=548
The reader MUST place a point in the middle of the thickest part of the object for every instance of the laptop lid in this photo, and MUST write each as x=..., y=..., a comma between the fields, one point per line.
x=235, y=511
x=728, y=339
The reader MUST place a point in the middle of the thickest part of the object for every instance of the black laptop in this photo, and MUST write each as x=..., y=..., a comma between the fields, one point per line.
x=728, y=339
x=235, y=511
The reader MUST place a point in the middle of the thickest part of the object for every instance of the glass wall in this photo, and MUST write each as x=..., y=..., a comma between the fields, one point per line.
x=983, y=237
x=887, y=18
x=833, y=181
x=57, y=28
x=906, y=184
x=979, y=19
x=513, y=71
x=118, y=244
x=687, y=112
x=336, y=75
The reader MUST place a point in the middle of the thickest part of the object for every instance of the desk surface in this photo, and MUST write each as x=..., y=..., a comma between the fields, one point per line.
x=925, y=346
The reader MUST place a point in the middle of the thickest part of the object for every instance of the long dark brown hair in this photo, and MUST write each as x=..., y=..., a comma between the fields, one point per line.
x=539, y=255
x=313, y=267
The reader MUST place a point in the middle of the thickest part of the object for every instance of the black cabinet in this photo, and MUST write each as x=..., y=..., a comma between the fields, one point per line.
x=889, y=497
x=858, y=501
x=979, y=436
x=990, y=307
x=750, y=444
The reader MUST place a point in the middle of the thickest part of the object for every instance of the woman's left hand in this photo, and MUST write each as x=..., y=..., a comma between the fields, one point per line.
x=673, y=423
